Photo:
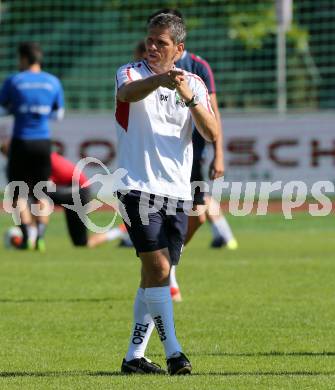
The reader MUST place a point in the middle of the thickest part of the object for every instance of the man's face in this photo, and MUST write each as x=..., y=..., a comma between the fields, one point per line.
x=161, y=50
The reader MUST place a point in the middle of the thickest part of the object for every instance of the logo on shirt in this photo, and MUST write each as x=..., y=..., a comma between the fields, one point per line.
x=164, y=98
x=179, y=100
x=41, y=110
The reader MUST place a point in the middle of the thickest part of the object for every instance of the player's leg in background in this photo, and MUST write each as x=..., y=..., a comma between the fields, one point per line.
x=199, y=204
x=32, y=227
x=42, y=223
x=39, y=171
x=76, y=226
x=221, y=231
x=25, y=238
x=174, y=286
x=18, y=170
x=32, y=233
x=22, y=211
x=111, y=235
x=194, y=223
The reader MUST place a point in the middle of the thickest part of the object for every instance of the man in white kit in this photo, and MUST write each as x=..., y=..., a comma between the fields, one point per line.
x=155, y=106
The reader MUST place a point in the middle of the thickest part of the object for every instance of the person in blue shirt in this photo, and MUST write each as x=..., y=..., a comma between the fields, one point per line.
x=32, y=96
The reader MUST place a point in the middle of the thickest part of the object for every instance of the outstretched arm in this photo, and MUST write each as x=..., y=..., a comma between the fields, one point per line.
x=133, y=91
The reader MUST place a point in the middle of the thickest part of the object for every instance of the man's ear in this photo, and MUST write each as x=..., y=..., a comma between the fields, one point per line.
x=179, y=51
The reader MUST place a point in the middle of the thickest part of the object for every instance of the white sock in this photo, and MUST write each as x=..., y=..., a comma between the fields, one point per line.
x=142, y=328
x=113, y=234
x=220, y=228
x=161, y=309
x=173, y=279
x=32, y=233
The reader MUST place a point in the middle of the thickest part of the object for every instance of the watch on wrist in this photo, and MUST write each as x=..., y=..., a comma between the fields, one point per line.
x=193, y=102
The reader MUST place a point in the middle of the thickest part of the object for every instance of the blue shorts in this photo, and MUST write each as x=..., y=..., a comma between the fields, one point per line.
x=162, y=228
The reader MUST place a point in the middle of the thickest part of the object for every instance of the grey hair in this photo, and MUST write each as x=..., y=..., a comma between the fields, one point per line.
x=173, y=23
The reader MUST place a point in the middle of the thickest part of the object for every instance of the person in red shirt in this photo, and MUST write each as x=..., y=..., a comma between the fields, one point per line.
x=62, y=172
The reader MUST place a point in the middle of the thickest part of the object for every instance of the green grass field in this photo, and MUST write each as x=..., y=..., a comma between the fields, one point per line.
x=262, y=317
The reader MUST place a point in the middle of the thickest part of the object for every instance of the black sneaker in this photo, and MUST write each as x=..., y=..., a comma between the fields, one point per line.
x=141, y=366
x=218, y=242
x=179, y=365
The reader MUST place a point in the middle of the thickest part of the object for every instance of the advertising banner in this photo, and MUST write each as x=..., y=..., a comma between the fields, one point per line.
x=257, y=147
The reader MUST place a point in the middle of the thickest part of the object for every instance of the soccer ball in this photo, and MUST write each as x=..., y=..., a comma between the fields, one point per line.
x=13, y=237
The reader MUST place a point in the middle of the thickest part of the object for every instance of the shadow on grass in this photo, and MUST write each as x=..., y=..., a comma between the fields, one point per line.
x=38, y=374
x=265, y=354
x=257, y=354
x=59, y=300
x=268, y=373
